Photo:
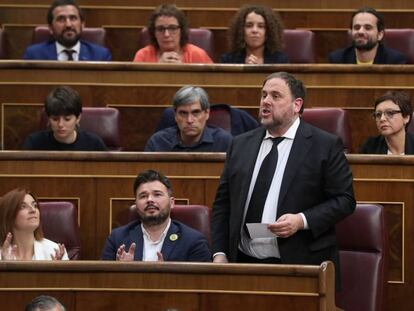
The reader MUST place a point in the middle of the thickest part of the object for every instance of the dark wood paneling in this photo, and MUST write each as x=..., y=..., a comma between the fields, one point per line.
x=142, y=91
x=171, y=286
x=103, y=185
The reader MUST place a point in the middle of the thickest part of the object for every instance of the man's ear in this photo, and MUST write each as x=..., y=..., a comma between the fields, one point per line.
x=51, y=30
x=381, y=35
x=298, y=104
x=172, y=202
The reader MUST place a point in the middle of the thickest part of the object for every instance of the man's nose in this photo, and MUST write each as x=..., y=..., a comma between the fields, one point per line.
x=190, y=118
x=68, y=22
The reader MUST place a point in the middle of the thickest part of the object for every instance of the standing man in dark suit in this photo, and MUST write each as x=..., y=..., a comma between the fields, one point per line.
x=66, y=22
x=308, y=192
x=367, y=30
x=156, y=237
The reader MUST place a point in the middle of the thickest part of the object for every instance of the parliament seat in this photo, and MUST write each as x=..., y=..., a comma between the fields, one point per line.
x=194, y=216
x=363, y=250
x=93, y=35
x=60, y=224
x=234, y=120
x=332, y=120
x=200, y=37
x=299, y=45
x=102, y=121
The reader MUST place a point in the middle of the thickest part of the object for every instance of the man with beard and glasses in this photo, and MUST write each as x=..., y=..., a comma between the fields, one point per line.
x=66, y=22
x=367, y=30
x=156, y=237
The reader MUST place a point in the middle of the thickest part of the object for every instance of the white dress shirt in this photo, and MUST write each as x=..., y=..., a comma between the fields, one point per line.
x=62, y=55
x=149, y=253
x=268, y=247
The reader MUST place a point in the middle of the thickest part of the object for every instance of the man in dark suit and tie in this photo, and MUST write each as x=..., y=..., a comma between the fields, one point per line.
x=156, y=237
x=288, y=175
x=66, y=22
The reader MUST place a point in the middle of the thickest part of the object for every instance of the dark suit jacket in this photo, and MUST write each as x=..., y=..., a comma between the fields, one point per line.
x=378, y=145
x=384, y=56
x=317, y=182
x=239, y=57
x=191, y=245
x=47, y=51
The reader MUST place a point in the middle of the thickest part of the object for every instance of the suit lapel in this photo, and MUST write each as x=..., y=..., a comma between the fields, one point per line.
x=300, y=147
x=83, y=53
x=170, y=241
x=52, y=52
x=251, y=146
x=135, y=235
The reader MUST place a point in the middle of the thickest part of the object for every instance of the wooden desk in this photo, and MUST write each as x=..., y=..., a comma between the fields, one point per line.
x=100, y=185
x=142, y=91
x=115, y=286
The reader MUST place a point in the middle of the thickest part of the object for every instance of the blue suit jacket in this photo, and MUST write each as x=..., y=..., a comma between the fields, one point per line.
x=47, y=51
x=191, y=245
x=384, y=56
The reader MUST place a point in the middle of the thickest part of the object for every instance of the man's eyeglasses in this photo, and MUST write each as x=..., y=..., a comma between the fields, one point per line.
x=387, y=113
x=172, y=29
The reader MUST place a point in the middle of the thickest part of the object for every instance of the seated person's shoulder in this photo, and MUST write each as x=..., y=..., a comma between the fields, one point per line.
x=91, y=141
x=395, y=57
x=231, y=58
x=162, y=140
x=40, y=140
x=338, y=56
x=39, y=51
x=97, y=52
x=197, y=54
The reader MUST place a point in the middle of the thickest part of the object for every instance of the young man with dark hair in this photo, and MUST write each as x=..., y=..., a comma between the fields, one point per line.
x=155, y=237
x=367, y=31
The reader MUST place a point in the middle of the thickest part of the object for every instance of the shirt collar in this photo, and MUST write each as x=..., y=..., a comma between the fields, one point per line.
x=206, y=137
x=60, y=47
x=290, y=133
x=162, y=236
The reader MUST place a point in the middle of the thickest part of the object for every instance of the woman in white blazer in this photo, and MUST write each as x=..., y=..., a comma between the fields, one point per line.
x=21, y=230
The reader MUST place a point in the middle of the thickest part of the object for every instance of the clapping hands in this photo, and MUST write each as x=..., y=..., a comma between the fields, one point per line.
x=8, y=251
x=59, y=252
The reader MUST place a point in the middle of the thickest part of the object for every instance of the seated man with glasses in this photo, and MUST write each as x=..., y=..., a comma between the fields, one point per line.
x=393, y=113
x=191, y=134
x=168, y=30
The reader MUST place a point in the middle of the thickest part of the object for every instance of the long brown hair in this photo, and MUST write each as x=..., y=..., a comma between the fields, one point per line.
x=10, y=204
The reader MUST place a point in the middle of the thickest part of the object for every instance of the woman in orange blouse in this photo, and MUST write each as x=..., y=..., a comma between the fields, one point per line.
x=168, y=30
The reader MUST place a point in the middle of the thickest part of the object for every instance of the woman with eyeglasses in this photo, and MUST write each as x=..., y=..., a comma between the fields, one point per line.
x=393, y=113
x=168, y=31
x=21, y=230
x=255, y=37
